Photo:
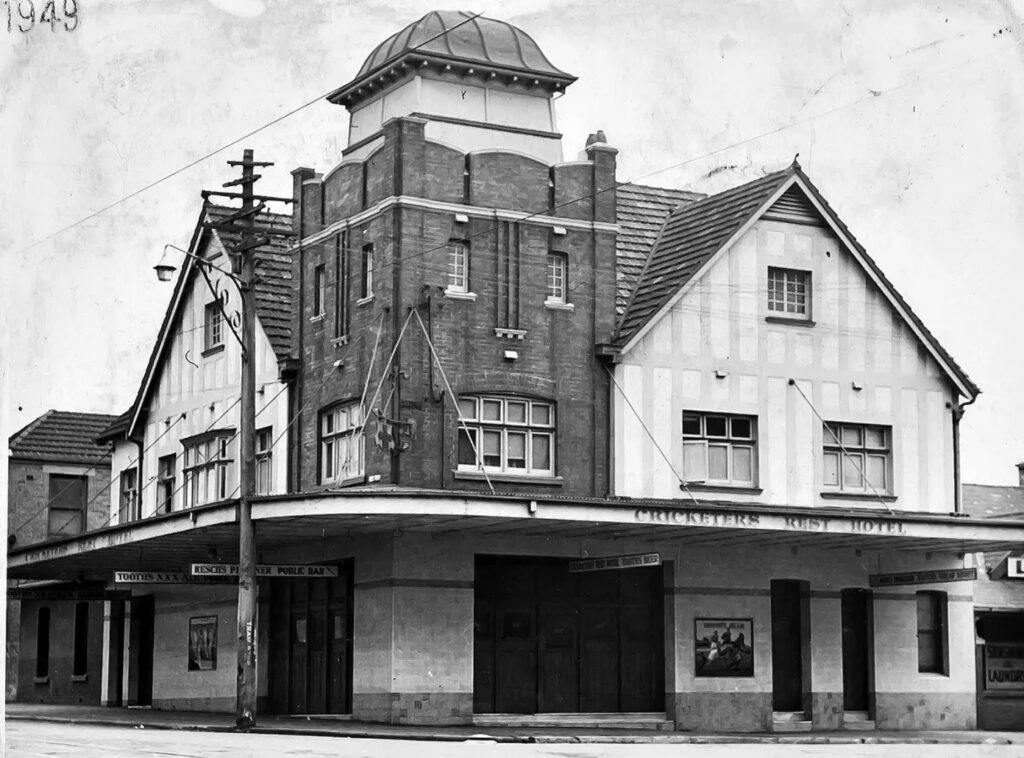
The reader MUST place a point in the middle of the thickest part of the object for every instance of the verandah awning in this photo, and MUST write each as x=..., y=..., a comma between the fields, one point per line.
x=172, y=542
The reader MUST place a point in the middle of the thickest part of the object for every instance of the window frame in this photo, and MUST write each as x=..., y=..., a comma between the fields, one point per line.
x=343, y=437
x=341, y=257
x=319, y=291
x=128, y=503
x=860, y=453
x=795, y=279
x=457, y=270
x=196, y=471
x=935, y=660
x=166, y=479
x=481, y=430
x=366, y=272
x=213, y=327
x=64, y=483
x=731, y=440
x=264, y=460
x=557, y=268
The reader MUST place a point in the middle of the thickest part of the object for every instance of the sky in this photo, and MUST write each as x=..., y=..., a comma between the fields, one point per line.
x=906, y=115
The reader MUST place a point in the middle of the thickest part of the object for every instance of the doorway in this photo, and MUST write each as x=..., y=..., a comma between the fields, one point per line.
x=310, y=624
x=787, y=598
x=140, y=680
x=856, y=612
x=551, y=641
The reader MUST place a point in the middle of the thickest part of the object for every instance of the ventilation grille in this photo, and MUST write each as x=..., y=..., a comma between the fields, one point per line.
x=795, y=208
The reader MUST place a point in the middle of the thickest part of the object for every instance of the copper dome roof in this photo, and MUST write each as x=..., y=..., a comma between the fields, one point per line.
x=458, y=37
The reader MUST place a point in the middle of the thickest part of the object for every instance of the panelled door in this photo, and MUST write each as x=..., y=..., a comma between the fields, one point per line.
x=856, y=619
x=310, y=636
x=550, y=641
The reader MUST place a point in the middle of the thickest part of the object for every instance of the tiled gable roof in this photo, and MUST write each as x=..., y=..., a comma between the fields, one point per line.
x=640, y=210
x=273, y=279
x=694, y=233
x=991, y=501
x=63, y=437
x=690, y=236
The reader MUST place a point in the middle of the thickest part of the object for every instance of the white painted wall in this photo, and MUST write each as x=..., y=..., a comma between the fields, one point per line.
x=720, y=325
x=193, y=394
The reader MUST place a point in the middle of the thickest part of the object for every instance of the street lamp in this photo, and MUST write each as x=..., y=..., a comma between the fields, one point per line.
x=165, y=268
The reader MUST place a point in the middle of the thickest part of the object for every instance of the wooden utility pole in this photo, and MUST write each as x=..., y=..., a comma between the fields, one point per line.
x=243, y=236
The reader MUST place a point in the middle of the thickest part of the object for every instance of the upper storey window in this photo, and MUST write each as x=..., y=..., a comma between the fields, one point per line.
x=341, y=444
x=558, y=267
x=857, y=458
x=789, y=293
x=458, y=266
x=507, y=435
x=719, y=449
x=213, y=328
x=208, y=467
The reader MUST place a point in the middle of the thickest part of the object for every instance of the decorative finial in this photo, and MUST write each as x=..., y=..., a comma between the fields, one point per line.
x=796, y=163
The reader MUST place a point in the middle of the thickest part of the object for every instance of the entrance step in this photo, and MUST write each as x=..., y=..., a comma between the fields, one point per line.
x=655, y=721
x=858, y=721
x=790, y=721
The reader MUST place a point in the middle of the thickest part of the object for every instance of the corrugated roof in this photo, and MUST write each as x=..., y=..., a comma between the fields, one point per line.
x=640, y=211
x=62, y=437
x=993, y=501
x=690, y=236
x=273, y=279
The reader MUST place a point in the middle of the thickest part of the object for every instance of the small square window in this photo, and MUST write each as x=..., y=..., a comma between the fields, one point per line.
x=789, y=292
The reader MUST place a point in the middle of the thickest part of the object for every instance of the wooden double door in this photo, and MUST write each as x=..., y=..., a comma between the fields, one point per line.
x=551, y=641
x=311, y=645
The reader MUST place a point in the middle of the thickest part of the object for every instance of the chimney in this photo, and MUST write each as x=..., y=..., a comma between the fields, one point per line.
x=1020, y=473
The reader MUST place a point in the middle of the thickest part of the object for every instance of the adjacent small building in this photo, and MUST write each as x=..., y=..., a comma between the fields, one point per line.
x=58, y=486
x=538, y=445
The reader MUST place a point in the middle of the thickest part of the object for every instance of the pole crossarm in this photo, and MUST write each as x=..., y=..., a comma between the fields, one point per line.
x=238, y=196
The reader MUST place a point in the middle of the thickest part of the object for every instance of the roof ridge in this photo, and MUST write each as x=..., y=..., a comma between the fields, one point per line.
x=30, y=426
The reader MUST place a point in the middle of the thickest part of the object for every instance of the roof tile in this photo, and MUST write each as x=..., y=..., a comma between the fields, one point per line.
x=64, y=437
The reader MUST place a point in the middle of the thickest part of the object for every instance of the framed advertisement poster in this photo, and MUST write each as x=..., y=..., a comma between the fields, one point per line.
x=202, y=643
x=724, y=647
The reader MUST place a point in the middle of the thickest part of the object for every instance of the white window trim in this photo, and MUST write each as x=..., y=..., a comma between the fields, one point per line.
x=842, y=450
x=731, y=443
x=805, y=315
x=531, y=429
x=197, y=475
x=332, y=470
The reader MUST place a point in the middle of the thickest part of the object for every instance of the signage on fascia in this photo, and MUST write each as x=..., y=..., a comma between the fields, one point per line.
x=166, y=577
x=616, y=562
x=301, y=571
x=923, y=577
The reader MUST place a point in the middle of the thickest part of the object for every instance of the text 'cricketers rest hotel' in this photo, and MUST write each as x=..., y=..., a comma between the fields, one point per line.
x=554, y=445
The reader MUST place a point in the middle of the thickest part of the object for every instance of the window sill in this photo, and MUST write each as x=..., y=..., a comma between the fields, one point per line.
x=363, y=301
x=40, y=680
x=79, y=677
x=885, y=498
x=558, y=305
x=725, y=488
x=502, y=331
x=478, y=476
x=331, y=484
x=460, y=295
x=213, y=350
x=316, y=319
x=340, y=341
x=788, y=320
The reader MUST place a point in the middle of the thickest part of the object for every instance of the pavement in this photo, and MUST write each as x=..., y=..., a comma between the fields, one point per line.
x=325, y=726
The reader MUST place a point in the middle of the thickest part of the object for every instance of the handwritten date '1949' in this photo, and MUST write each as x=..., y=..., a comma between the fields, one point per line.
x=21, y=15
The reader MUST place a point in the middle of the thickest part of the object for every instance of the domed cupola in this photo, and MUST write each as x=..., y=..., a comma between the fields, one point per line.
x=472, y=79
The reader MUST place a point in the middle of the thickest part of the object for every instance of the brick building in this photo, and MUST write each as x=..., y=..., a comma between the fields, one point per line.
x=551, y=444
x=58, y=484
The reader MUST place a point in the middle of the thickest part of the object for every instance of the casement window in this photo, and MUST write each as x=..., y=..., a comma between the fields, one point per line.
x=506, y=435
x=341, y=444
x=129, y=509
x=209, y=467
x=264, y=469
x=213, y=327
x=789, y=293
x=43, y=643
x=932, y=645
x=319, y=291
x=458, y=266
x=719, y=448
x=857, y=458
x=366, y=272
x=165, y=481
x=80, y=661
x=66, y=504
x=558, y=272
